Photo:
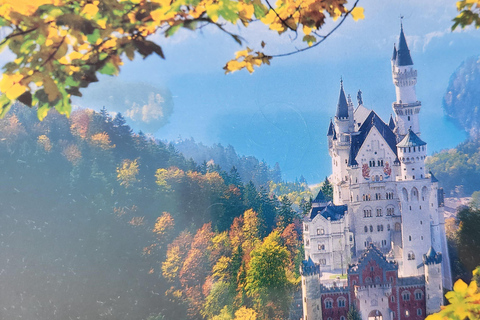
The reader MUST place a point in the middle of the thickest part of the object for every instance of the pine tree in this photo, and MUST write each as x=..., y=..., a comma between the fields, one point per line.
x=327, y=189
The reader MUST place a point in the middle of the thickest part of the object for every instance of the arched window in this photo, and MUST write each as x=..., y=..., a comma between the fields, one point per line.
x=366, y=229
x=414, y=194
x=405, y=194
x=406, y=296
x=411, y=256
x=328, y=303
x=418, y=294
x=371, y=228
x=341, y=302
x=424, y=193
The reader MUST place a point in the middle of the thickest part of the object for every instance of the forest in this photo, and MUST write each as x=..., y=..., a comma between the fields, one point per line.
x=100, y=222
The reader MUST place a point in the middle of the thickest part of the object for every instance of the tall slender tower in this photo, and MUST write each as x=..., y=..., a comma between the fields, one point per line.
x=406, y=107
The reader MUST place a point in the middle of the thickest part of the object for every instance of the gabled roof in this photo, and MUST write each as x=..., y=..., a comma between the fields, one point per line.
x=330, y=129
x=360, y=114
x=411, y=140
x=328, y=210
x=403, y=53
x=373, y=120
x=372, y=253
x=342, y=106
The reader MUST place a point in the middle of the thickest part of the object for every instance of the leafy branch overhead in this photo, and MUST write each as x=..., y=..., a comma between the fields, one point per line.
x=60, y=46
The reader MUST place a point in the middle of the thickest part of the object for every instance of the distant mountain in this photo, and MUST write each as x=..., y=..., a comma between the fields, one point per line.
x=462, y=100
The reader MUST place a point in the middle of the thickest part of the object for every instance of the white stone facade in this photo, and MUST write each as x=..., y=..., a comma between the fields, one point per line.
x=382, y=194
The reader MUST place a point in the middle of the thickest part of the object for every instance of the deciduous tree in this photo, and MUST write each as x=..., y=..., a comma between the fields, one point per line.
x=61, y=46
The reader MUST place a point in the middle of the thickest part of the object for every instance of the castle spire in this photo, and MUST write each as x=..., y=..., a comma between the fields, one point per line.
x=342, y=106
x=403, y=57
x=394, y=56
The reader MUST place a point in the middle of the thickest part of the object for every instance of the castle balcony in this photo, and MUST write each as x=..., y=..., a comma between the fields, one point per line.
x=399, y=75
x=397, y=106
x=386, y=288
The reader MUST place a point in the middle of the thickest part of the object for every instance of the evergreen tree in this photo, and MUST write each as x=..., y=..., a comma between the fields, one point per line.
x=285, y=214
x=327, y=189
x=353, y=314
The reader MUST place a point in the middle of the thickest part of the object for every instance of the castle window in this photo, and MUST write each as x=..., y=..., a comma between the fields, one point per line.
x=419, y=312
x=379, y=212
x=328, y=303
x=392, y=298
x=307, y=242
x=407, y=313
x=320, y=231
x=390, y=211
x=368, y=280
x=321, y=247
x=306, y=227
x=341, y=302
x=366, y=230
x=406, y=296
x=323, y=261
x=342, y=318
x=408, y=118
x=411, y=256
x=388, y=227
x=409, y=238
x=418, y=295
x=371, y=228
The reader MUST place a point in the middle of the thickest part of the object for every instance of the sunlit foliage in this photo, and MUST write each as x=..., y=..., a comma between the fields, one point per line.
x=469, y=14
x=127, y=173
x=60, y=46
x=464, y=301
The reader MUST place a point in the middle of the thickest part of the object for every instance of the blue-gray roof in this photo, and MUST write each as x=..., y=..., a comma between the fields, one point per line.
x=391, y=123
x=411, y=140
x=357, y=140
x=330, y=129
x=308, y=267
x=432, y=257
x=432, y=177
x=320, y=197
x=342, y=106
x=329, y=211
x=403, y=53
x=394, y=56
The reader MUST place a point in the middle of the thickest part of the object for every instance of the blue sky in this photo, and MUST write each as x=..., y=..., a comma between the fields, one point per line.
x=280, y=113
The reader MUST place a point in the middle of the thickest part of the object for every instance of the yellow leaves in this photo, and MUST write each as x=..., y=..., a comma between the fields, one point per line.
x=101, y=140
x=244, y=59
x=90, y=10
x=127, y=173
x=11, y=85
x=357, y=13
x=44, y=141
x=464, y=302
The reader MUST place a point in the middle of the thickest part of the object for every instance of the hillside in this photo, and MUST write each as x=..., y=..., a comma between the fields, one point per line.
x=462, y=99
x=98, y=222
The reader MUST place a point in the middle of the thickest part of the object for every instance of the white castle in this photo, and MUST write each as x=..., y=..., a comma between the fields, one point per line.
x=385, y=204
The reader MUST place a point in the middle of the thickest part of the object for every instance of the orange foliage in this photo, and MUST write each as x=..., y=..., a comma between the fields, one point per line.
x=72, y=153
x=101, y=140
x=44, y=141
x=164, y=224
x=80, y=121
x=137, y=221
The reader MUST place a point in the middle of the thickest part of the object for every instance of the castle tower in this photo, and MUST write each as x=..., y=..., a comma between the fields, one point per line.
x=412, y=152
x=432, y=262
x=406, y=107
x=311, y=297
x=343, y=127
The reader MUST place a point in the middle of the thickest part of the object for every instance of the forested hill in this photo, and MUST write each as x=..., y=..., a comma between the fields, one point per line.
x=249, y=168
x=98, y=222
x=458, y=169
x=462, y=100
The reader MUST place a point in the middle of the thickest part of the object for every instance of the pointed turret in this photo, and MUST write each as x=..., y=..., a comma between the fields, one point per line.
x=403, y=57
x=411, y=140
x=394, y=56
x=391, y=123
x=342, y=106
x=330, y=129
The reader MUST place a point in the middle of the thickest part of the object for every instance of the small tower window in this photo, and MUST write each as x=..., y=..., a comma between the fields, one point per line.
x=408, y=118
